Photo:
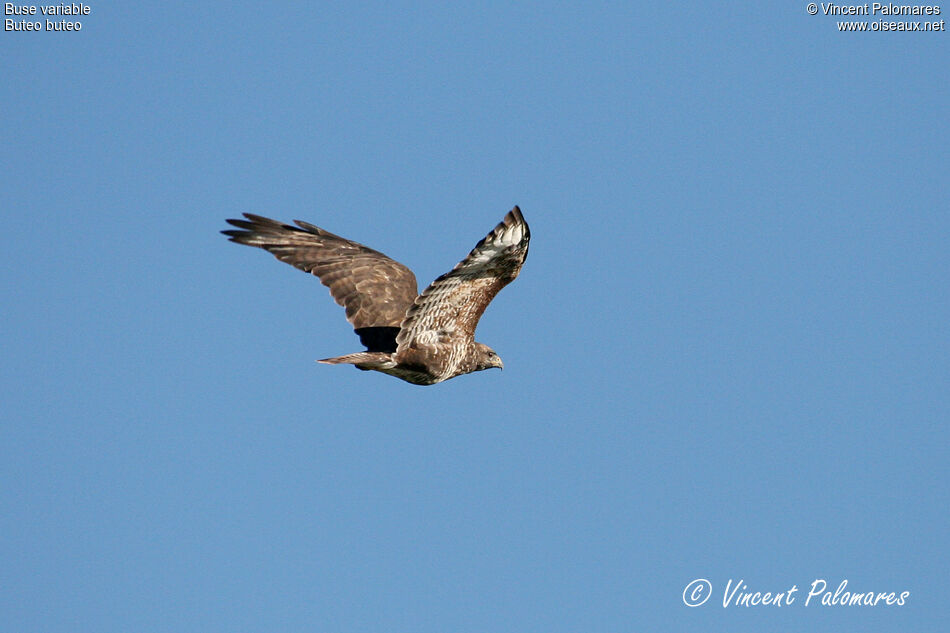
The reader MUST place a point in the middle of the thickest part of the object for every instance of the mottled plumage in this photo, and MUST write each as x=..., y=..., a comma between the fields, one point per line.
x=421, y=338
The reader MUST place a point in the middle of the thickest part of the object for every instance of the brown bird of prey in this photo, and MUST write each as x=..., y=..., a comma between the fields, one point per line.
x=421, y=338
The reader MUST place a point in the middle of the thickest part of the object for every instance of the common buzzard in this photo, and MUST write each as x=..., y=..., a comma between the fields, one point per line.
x=421, y=338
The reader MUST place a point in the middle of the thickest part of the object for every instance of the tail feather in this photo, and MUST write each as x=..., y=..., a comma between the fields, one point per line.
x=363, y=360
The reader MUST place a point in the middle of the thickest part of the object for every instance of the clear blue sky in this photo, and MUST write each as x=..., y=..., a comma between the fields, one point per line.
x=726, y=357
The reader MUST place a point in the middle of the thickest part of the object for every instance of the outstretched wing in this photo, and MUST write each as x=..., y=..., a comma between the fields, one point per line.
x=375, y=290
x=449, y=309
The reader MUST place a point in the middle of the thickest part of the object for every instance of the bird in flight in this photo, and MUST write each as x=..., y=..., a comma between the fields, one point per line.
x=421, y=338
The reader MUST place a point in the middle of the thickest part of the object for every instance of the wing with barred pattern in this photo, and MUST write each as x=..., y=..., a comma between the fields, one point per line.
x=375, y=289
x=449, y=309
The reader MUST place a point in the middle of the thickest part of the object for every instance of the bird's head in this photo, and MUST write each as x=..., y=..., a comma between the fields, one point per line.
x=487, y=358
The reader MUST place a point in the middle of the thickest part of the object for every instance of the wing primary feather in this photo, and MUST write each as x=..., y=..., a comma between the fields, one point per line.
x=375, y=289
x=456, y=300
